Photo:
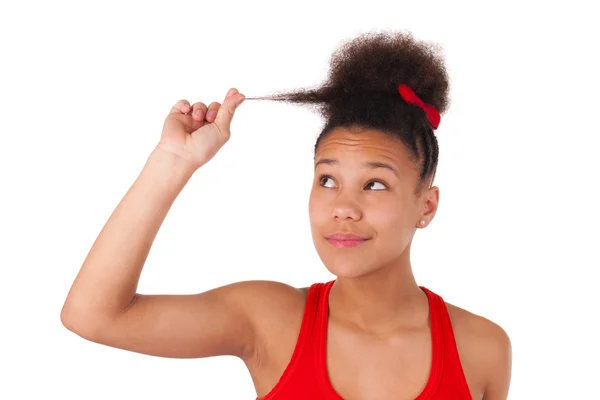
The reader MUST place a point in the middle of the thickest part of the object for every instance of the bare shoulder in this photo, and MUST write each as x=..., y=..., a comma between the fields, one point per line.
x=472, y=323
x=273, y=303
x=276, y=312
x=273, y=295
x=485, y=351
x=269, y=301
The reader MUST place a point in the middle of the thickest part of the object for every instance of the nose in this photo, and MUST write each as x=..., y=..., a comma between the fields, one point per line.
x=345, y=208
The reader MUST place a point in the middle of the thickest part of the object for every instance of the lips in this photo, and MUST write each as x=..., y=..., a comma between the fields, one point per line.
x=344, y=244
x=346, y=236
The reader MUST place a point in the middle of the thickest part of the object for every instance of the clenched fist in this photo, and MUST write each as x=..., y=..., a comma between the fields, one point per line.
x=196, y=133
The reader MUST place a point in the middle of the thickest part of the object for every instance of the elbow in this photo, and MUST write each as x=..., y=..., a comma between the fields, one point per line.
x=67, y=319
x=82, y=325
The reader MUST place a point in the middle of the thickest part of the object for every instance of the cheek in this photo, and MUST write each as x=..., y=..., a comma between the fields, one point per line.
x=318, y=215
x=390, y=219
x=388, y=222
x=315, y=212
x=317, y=204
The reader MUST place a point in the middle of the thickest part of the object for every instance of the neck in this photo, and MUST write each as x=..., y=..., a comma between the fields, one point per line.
x=381, y=302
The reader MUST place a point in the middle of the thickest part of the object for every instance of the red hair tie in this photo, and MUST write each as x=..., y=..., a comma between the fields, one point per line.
x=410, y=97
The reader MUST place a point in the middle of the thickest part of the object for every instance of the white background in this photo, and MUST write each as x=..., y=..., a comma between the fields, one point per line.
x=85, y=88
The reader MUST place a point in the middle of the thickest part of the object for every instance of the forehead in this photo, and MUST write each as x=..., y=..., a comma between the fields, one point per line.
x=349, y=145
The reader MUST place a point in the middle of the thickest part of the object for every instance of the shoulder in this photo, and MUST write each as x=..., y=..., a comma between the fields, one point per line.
x=269, y=304
x=485, y=351
x=263, y=298
x=472, y=324
x=275, y=310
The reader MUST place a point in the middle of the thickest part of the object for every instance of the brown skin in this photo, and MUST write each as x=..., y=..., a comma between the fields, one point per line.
x=396, y=362
x=376, y=307
x=375, y=290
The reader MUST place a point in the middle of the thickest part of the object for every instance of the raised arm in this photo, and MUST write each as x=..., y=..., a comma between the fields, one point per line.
x=103, y=306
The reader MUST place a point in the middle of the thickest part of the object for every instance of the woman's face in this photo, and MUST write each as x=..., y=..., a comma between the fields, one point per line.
x=349, y=196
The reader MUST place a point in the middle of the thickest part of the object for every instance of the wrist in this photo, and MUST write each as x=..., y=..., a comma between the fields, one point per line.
x=169, y=166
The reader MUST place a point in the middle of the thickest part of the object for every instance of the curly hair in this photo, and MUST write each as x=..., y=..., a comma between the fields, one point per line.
x=362, y=91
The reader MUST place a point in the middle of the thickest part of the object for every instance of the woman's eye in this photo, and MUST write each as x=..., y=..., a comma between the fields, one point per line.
x=374, y=182
x=324, y=179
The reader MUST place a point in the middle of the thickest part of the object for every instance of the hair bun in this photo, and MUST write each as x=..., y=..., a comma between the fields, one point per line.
x=380, y=62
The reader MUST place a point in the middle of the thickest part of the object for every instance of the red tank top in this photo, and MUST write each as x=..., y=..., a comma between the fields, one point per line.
x=306, y=377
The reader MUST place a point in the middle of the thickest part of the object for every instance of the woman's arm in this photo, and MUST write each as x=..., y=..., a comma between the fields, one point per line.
x=499, y=356
x=103, y=306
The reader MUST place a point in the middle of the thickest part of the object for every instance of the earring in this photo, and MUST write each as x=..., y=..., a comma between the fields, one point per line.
x=422, y=222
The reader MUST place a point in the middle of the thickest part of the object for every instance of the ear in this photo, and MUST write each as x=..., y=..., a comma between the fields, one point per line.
x=431, y=199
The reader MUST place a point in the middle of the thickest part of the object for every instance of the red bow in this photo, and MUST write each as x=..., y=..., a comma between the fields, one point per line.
x=410, y=97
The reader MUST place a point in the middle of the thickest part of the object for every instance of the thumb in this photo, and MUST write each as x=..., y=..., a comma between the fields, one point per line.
x=227, y=109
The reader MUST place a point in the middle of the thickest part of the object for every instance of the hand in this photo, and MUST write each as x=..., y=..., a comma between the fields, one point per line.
x=193, y=135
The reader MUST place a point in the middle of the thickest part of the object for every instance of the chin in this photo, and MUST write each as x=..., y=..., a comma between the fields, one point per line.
x=348, y=269
x=347, y=263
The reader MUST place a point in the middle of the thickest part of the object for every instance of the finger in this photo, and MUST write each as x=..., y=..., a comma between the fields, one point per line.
x=199, y=111
x=226, y=111
x=231, y=92
x=213, y=108
x=181, y=107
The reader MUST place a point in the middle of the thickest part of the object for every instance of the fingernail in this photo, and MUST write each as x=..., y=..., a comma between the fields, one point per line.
x=211, y=114
x=239, y=100
x=198, y=112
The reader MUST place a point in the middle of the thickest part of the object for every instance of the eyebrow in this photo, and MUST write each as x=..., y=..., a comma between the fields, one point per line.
x=368, y=164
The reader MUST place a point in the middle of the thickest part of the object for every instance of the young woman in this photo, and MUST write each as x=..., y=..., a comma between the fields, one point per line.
x=373, y=332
